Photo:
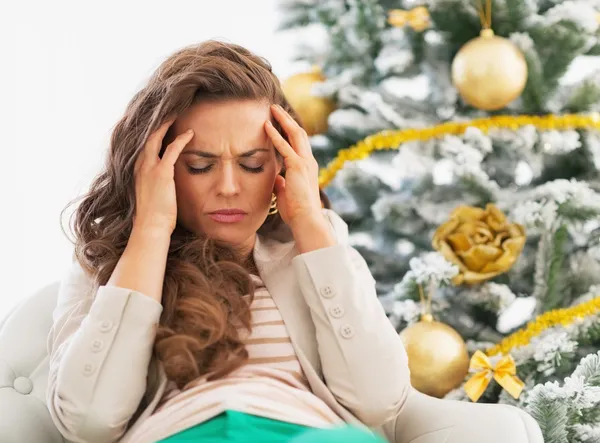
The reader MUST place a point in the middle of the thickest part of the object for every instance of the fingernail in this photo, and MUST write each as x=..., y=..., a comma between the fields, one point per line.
x=189, y=131
x=269, y=123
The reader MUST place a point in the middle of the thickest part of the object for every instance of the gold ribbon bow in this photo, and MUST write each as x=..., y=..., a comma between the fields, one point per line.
x=417, y=18
x=505, y=373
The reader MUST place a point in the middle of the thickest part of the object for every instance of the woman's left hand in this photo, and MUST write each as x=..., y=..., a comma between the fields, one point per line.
x=298, y=198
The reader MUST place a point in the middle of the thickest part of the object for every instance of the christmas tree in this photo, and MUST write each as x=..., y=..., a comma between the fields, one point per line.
x=460, y=153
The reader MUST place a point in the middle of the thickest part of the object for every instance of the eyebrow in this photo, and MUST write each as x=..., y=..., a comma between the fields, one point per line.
x=206, y=154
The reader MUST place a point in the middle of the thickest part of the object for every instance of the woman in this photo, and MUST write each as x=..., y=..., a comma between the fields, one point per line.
x=212, y=297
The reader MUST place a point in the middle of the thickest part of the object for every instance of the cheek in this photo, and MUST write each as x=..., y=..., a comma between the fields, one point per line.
x=269, y=178
x=260, y=188
x=188, y=191
x=181, y=182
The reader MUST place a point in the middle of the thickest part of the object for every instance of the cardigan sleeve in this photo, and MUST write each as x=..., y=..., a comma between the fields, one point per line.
x=100, y=346
x=363, y=359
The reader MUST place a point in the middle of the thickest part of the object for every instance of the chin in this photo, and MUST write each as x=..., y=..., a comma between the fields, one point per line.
x=232, y=235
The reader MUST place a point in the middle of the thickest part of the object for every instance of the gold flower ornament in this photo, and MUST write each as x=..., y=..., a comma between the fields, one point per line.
x=481, y=242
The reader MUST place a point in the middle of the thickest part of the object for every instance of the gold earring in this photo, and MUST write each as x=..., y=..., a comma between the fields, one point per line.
x=273, y=208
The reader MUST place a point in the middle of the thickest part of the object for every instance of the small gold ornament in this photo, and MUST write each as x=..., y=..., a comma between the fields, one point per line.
x=481, y=242
x=417, y=18
x=437, y=356
x=504, y=372
x=313, y=110
x=489, y=71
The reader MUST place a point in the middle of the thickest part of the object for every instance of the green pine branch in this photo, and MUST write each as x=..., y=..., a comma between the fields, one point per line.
x=589, y=369
x=536, y=92
x=590, y=336
x=407, y=289
x=369, y=21
x=456, y=23
x=552, y=416
x=549, y=280
x=476, y=188
x=594, y=50
x=558, y=45
x=298, y=14
x=577, y=213
x=557, y=415
x=554, y=293
x=585, y=416
x=517, y=12
x=583, y=97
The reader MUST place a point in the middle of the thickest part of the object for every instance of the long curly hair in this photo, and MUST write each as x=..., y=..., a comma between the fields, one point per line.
x=202, y=305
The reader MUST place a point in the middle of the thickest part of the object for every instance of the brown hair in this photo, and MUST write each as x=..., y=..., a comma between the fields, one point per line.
x=204, y=280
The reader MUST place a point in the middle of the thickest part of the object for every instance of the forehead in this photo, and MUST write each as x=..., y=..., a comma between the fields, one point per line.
x=233, y=122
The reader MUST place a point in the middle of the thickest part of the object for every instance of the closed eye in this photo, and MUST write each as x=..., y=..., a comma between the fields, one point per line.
x=253, y=170
x=199, y=170
x=256, y=170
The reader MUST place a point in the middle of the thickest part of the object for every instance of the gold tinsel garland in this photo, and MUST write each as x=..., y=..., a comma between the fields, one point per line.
x=392, y=139
x=563, y=317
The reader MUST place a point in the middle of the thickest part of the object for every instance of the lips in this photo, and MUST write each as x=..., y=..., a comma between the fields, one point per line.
x=229, y=212
x=228, y=215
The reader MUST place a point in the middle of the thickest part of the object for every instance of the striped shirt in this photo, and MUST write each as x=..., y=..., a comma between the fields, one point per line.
x=271, y=384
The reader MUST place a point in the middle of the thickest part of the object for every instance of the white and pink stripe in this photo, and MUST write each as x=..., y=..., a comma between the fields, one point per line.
x=271, y=384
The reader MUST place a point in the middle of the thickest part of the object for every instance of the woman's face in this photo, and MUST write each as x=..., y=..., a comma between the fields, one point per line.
x=224, y=177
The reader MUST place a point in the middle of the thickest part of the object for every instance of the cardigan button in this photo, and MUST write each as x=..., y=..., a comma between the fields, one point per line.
x=88, y=369
x=327, y=291
x=347, y=331
x=336, y=311
x=97, y=345
x=106, y=325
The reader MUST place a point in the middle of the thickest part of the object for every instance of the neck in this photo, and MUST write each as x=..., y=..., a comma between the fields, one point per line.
x=250, y=265
x=246, y=253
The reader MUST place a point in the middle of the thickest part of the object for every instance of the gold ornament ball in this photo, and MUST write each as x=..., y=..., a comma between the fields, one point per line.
x=437, y=357
x=313, y=110
x=489, y=72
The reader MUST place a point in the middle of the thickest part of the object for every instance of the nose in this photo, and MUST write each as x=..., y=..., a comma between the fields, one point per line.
x=228, y=184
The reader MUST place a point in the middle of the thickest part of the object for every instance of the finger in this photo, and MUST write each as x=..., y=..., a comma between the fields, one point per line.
x=297, y=135
x=155, y=140
x=176, y=146
x=279, y=142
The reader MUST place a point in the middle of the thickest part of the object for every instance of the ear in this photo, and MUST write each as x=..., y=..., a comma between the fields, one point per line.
x=280, y=164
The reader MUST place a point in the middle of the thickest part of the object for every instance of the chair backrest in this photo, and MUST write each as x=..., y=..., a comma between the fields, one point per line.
x=24, y=416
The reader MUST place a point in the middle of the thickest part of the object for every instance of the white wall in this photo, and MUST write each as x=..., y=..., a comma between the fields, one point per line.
x=67, y=70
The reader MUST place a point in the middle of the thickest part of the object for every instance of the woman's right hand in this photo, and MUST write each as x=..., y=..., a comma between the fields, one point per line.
x=155, y=199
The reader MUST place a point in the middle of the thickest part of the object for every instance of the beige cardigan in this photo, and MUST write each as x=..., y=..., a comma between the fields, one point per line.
x=104, y=379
